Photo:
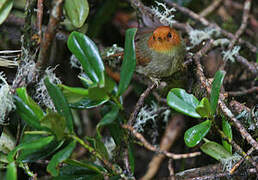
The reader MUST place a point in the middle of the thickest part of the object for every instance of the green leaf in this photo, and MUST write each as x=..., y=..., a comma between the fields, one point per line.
x=215, y=150
x=37, y=144
x=204, y=108
x=22, y=93
x=183, y=102
x=35, y=154
x=5, y=8
x=89, y=165
x=87, y=103
x=226, y=128
x=27, y=114
x=101, y=148
x=73, y=94
x=56, y=123
x=60, y=157
x=11, y=173
x=129, y=61
x=60, y=103
x=215, y=89
x=131, y=156
x=196, y=133
x=107, y=119
x=87, y=53
x=77, y=11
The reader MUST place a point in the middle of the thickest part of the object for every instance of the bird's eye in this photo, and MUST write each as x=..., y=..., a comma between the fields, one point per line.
x=169, y=35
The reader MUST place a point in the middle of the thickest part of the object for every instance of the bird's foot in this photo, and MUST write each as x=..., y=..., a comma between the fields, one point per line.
x=155, y=81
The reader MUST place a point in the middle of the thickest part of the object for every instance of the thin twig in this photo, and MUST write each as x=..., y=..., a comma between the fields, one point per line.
x=39, y=17
x=244, y=92
x=210, y=8
x=205, y=22
x=171, y=169
x=249, y=152
x=140, y=104
x=49, y=35
x=150, y=147
x=243, y=25
x=247, y=64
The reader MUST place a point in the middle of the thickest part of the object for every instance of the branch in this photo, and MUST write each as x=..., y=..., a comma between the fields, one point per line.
x=150, y=147
x=49, y=35
x=205, y=22
x=210, y=8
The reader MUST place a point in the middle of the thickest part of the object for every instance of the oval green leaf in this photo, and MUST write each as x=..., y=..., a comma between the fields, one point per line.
x=215, y=89
x=109, y=118
x=60, y=157
x=60, y=103
x=204, y=108
x=129, y=61
x=196, y=133
x=77, y=11
x=37, y=144
x=226, y=128
x=215, y=150
x=87, y=53
x=27, y=114
x=183, y=102
x=22, y=93
x=5, y=8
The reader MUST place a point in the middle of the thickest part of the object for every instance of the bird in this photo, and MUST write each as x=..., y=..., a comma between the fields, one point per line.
x=159, y=53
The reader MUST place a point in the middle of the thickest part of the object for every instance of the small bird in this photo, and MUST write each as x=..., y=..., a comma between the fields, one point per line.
x=159, y=53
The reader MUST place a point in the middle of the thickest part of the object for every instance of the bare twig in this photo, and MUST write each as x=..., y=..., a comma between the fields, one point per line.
x=205, y=22
x=244, y=92
x=173, y=129
x=247, y=64
x=140, y=104
x=210, y=8
x=171, y=169
x=49, y=35
x=249, y=152
x=39, y=17
x=150, y=147
x=243, y=25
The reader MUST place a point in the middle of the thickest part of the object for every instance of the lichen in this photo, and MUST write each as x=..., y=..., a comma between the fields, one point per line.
x=166, y=17
x=229, y=54
x=7, y=104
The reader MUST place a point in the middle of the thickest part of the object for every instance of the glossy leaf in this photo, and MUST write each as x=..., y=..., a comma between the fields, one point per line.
x=11, y=173
x=35, y=154
x=129, y=61
x=183, y=102
x=89, y=165
x=5, y=8
x=60, y=157
x=87, y=53
x=108, y=119
x=196, y=133
x=87, y=103
x=101, y=148
x=60, y=103
x=131, y=156
x=73, y=94
x=204, y=108
x=22, y=93
x=56, y=123
x=37, y=144
x=226, y=128
x=215, y=89
x=77, y=11
x=215, y=150
x=26, y=113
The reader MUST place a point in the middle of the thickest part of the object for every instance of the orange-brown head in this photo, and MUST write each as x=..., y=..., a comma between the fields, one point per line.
x=164, y=39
